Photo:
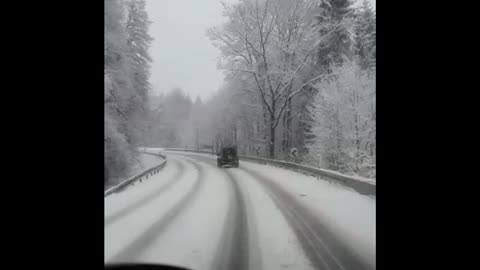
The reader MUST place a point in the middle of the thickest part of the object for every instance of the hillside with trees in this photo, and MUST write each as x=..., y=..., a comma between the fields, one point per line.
x=127, y=86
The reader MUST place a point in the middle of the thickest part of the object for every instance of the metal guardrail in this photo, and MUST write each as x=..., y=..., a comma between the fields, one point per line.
x=188, y=150
x=154, y=154
x=131, y=181
x=361, y=185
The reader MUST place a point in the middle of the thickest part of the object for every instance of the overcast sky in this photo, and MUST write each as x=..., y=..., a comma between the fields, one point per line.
x=182, y=54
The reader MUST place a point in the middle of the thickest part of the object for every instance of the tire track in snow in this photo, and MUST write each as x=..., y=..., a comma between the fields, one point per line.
x=157, y=192
x=250, y=226
x=133, y=250
x=192, y=239
x=233, y=251
x=319, y=245
x=238, y=249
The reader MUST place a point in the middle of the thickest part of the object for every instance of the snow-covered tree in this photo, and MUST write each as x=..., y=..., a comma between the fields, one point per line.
x=126, y=82
x=138, y=43
x=117, y=92
x=365, y=36
x=170, y=120
x=334, y=26
x=271, y=41
x=344, y=125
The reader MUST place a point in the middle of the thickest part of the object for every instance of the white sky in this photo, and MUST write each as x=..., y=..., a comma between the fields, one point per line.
x=182, y=54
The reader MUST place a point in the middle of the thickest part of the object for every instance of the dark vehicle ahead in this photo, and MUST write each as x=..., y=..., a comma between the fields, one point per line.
x=227, y=156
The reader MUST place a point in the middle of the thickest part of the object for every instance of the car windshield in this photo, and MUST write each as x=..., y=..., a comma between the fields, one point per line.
x=240, y=135
x=229, y=151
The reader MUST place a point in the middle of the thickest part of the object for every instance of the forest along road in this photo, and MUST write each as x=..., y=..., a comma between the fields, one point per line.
x=196, y=215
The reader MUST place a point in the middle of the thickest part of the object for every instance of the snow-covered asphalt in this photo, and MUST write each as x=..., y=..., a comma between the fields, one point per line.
x=196, y=215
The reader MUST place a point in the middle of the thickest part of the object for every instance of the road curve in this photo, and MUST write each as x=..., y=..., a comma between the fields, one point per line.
x=320, y=246
x=129, y=253
x=318, y=243
x=237, y=246
x=155, y=193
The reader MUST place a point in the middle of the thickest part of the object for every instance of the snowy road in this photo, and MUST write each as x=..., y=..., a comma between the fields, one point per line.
x=196, y=215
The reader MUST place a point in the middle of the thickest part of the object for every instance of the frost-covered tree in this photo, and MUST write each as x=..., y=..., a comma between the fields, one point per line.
x=239, y=118
x=365, y=36
x=280, y=48
x=271, y=41
x=334, y=26
x=138, y=43
x=170, y=120
x=344, y=121
x=117, y=92
x=126, y=85
x=193, y=130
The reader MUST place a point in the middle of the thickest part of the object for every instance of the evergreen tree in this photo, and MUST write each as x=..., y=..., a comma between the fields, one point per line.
x=365, y=36
x=126, y=65
x=333, y=26
x=117, y=92
x=138, y=42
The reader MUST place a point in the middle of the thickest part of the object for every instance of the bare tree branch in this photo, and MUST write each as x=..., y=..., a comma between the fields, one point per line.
x=294, y=94
x=262, y=93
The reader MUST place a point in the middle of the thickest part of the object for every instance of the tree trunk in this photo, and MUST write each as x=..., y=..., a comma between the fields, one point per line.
x=272, y=141
x=272, y=130
x=284, y=133
x=264, y=130
x=197, y=139
x=357, y=143
x=288, y=144
x=235, y=134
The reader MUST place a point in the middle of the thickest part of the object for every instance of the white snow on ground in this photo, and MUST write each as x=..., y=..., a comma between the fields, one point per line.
x=154, y=150
x=145, y=162
x=117, y=201
x=348, y=214
x=278, y=244
x=142, y=163
x=192, y=238
x=124, y=231
x=150, y=149
x=212, y=156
